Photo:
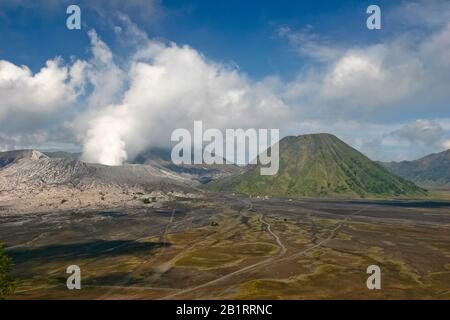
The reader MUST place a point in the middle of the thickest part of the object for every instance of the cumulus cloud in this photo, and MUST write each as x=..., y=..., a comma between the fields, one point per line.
x=41, y=92
x=424, y=132
x=405, y=73
x=368, y=77
x=168, y=87
x=30, y=103
x=378, y=81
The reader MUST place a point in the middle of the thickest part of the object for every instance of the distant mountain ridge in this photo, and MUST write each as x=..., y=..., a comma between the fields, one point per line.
x=431, y=170
x=321, y=165
x=161, y=157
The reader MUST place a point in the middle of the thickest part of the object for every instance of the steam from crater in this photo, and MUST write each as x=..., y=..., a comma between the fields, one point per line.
x=165, y=87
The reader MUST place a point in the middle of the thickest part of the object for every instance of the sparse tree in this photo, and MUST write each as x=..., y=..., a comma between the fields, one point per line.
x=7, y=283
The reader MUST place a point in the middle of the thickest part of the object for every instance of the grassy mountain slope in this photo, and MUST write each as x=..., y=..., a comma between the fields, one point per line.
x=321, y=165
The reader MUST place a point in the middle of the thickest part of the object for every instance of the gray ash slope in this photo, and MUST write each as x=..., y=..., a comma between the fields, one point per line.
x=32, y=182
x=30, y=168
x=161, y=158
x=34, y=168
x=25, y=169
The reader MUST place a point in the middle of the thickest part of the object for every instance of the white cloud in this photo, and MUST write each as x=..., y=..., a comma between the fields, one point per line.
x=423, y=132
x=41, y=92
x=309, y=44
x=407, y=73
x=30, y=102
x=375, y=82
x=168, y=87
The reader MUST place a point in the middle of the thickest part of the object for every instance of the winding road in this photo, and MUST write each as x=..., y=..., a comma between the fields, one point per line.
x=244, y=269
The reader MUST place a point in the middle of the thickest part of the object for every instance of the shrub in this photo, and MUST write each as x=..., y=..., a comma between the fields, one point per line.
x=7, y=283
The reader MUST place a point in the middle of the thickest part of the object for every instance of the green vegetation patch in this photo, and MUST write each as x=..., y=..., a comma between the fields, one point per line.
x=253, y=249
x=7, y=283
x=224, y=256
x=206, y=259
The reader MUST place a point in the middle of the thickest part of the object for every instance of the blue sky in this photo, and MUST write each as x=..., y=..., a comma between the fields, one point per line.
x=241, y=32
x=301, y=66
